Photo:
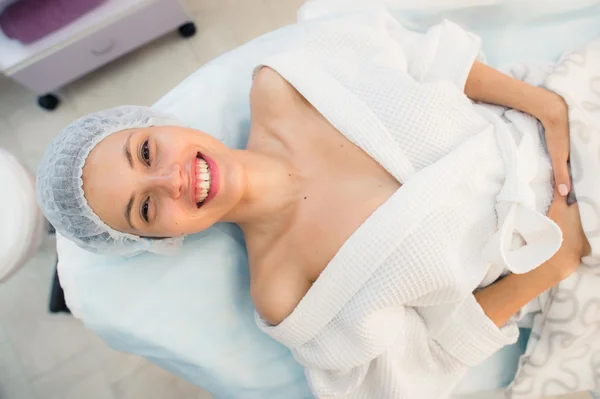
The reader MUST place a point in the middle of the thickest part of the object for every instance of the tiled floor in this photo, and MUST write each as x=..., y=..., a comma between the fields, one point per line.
x=55, y=357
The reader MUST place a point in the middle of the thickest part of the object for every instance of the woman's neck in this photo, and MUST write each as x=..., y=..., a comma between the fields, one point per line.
x=271, y=194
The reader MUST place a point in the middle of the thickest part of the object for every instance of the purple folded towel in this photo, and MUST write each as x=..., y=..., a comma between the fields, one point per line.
x=31, y=20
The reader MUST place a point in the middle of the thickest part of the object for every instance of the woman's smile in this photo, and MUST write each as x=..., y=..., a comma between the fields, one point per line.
x=210, y=179
x=200, y=184
x=204, y=179
x=166, y=181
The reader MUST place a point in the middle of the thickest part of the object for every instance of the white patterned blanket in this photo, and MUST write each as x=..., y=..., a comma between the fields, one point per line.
x=563, y=354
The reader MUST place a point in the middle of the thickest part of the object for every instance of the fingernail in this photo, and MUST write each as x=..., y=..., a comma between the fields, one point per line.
x=563, y=189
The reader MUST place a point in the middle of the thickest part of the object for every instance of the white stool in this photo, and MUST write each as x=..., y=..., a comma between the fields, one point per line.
x=21, y=223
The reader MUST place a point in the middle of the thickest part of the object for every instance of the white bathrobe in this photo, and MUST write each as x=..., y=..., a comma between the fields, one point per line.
x=393, y=314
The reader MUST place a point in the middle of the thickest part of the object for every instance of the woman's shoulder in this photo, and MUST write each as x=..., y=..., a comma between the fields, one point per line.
x=277, y=292
x=271, y=93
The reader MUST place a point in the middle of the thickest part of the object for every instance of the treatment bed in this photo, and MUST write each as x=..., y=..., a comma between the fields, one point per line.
x=192, y=313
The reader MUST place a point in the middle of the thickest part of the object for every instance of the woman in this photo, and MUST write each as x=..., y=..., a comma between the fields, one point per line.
x=378, y=203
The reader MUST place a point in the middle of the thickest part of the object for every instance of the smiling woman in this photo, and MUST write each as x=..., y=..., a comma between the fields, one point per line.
x=169, y=181
x=378, y=201
x=163, y=180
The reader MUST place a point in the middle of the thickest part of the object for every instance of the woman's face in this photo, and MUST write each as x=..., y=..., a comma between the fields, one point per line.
x=162, y=181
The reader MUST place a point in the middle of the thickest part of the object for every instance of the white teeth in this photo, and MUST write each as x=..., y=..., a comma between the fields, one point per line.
x=203, y=180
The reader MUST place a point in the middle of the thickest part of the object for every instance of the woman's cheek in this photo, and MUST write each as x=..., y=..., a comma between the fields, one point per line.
x=171, y=221
x=179, y=227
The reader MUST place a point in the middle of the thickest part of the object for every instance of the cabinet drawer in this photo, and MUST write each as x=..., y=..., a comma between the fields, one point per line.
x=102, y=46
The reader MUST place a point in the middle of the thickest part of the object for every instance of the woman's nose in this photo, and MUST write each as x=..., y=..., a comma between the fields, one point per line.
x=170, y=180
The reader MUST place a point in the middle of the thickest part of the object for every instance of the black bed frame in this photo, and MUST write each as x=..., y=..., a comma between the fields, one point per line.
x=57, y=302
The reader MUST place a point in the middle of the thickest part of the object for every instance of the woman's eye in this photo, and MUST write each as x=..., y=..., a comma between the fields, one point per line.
x=145, y=208
x=145, y=152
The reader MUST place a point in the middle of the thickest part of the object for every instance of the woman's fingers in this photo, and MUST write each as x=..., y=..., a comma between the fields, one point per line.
x=568, y=219
x=556, y=126
x=562, y=180
x=558, y=148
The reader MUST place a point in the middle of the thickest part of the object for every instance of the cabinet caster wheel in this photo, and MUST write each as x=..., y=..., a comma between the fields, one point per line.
x=187, y=30
x=48, y=102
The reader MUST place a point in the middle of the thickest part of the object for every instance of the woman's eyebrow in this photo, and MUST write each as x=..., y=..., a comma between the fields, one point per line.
x=127, y=151
x=128, y=212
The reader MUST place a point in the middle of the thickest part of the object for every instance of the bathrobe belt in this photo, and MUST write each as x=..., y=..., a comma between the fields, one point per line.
x=516, y=206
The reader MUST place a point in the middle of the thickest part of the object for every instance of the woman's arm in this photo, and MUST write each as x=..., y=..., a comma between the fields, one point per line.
x=507, y=296
x=501, y=300
x=488, y=85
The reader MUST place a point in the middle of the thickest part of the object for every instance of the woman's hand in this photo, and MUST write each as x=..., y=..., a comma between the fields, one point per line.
x=501, y=300
x=491, y=86
x=575, y=244
x=555, y=117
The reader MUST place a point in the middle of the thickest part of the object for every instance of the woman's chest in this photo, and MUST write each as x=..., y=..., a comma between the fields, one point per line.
x=342, y=187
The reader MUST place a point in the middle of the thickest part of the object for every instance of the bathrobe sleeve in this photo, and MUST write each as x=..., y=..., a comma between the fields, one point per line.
x=444, y=52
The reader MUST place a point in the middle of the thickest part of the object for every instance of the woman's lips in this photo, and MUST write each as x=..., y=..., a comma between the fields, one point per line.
x=203, y=180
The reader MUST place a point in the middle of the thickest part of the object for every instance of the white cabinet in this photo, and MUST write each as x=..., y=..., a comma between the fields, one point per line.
x=106, y=33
